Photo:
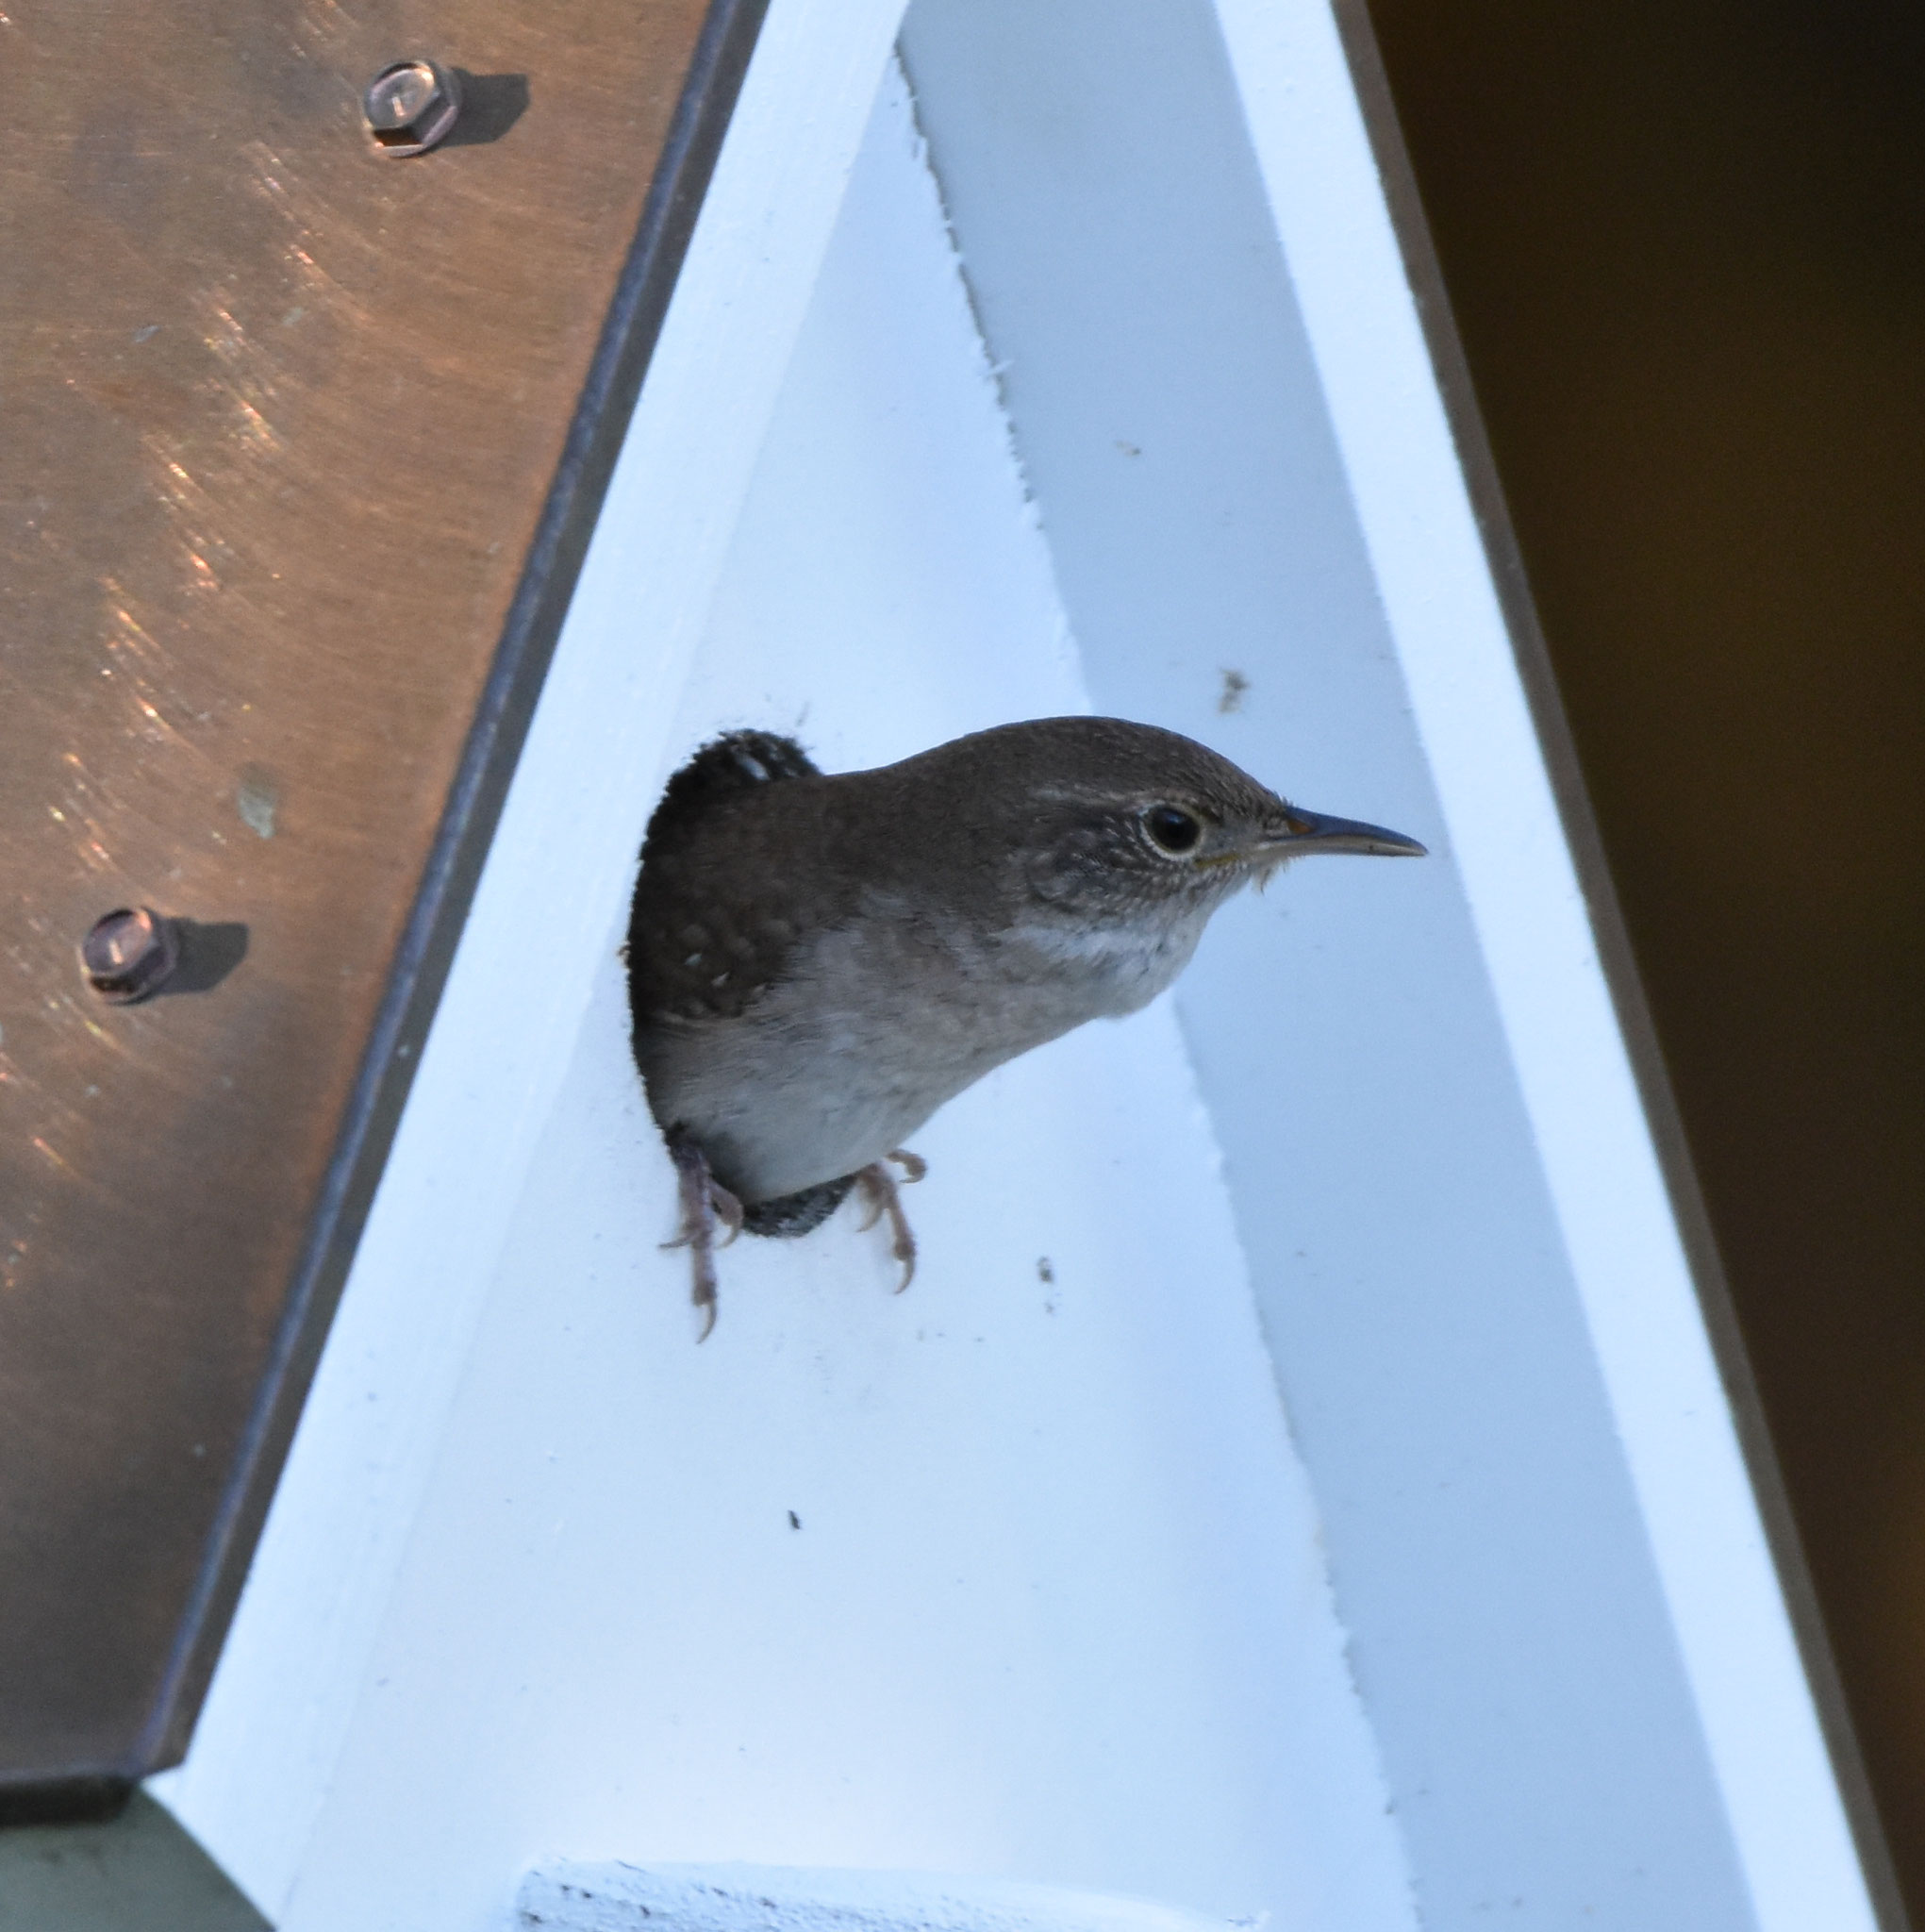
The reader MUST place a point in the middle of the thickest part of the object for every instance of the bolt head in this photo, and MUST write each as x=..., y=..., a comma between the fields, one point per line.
x=410, y=107
x=129, y=953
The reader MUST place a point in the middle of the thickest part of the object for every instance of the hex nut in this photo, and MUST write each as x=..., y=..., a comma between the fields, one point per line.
x=129, y=953
x=410, y=107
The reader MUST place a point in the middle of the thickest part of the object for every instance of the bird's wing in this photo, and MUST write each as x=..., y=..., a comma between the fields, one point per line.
x=716, y=914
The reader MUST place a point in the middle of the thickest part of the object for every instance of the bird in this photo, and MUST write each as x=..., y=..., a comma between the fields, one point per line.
x=817, y=962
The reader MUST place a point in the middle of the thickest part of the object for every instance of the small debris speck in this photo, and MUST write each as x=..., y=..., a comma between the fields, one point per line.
x=1231, y=697
x=1044, y=1272
x=794, y=1521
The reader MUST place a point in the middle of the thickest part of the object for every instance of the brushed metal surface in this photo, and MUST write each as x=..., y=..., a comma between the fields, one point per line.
x=299, y=448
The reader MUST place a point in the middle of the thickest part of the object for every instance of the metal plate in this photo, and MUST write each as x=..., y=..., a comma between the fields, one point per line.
x=301, y=445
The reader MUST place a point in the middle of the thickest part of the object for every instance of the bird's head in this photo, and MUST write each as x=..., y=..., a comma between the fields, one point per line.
x=1110, y=821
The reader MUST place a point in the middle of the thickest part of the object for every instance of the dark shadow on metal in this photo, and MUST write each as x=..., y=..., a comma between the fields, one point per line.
x=208, y=954
x=420, y=964
x=490, y=105
x=64, y=1801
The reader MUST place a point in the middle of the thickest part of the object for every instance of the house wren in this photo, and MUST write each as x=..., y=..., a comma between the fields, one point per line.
x=817, y=963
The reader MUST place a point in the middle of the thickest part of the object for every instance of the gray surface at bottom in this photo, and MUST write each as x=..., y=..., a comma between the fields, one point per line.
x=141, y=1873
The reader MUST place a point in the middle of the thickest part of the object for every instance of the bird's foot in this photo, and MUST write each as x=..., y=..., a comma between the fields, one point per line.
x=884, y=1193
x=706, y=1204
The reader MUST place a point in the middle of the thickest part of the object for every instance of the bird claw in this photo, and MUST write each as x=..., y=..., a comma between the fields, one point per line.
x=728, y=1210
x=705, y=1202
x=708, y=1206
x=882, y=1192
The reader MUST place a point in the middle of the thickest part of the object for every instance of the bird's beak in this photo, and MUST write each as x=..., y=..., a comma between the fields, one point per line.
x=1304, y=832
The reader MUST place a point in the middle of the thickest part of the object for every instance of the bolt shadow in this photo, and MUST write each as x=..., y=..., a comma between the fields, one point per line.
x=208, y=954
x=491, y=105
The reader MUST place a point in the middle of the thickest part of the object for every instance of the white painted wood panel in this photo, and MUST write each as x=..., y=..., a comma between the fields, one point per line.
x=1055, y=1608
x=762, y=1898
x=1032, y=1574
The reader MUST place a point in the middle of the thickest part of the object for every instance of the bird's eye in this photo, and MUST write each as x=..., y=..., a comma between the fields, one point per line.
x=1171, y=829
